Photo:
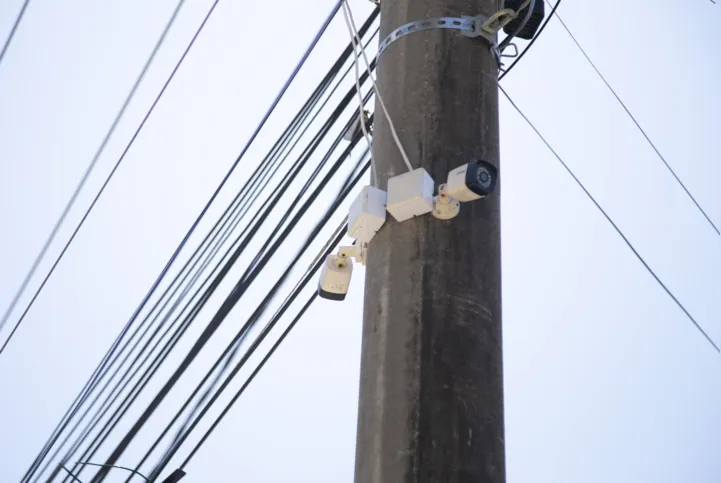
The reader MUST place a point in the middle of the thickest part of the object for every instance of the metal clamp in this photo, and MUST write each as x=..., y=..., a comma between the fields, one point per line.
x=468, y=27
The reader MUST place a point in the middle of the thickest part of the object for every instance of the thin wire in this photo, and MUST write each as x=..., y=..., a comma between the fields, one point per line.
x=114, y=466
x=109, y=177
x=375, y=87
x=613, y=224
x=207, y=333
x=259, y=220
x=530, y=44
x=341, y=226
x=70, y=473
x=12, y=35
x=252, y=376
x=301, y=62
x=311, y=270
x=257, y=185
x=232, y=348
x=256, y=343
x=89, y=169
x=613, y=91
x=361, y=111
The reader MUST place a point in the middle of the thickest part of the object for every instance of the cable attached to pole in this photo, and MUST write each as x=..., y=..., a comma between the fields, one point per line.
x=350, y=22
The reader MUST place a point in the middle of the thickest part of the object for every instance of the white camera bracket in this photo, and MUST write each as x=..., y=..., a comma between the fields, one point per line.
x=445, y=207
x=358, y=252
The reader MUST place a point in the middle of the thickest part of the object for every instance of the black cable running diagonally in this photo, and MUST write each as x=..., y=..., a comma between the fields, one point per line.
x=225, y=227
x=12, y=33
x=613, y=224
x=89, y=169
x=232, y=299
x=234, y=344
x=305, y=156
x=235, y=213
x=258, y=341
x=253, y=136
x=178, y=415
x=97, y=155
x=638, y=125
x=104, y=185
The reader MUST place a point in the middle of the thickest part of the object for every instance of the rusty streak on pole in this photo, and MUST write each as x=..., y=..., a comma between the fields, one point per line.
x=431, y=391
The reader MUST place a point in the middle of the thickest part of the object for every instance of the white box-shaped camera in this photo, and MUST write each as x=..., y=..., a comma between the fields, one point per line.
x=367, y=214
x=410, y=194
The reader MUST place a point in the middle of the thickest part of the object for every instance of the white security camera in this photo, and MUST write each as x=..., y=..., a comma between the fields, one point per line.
x=335, y=277
x=472, y=181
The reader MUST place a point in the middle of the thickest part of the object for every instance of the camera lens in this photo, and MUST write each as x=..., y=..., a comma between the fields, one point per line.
x=484, y=177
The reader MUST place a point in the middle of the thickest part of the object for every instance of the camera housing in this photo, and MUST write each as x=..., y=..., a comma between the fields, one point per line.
x=472, y=181
x=367, y=214
x=335, y=277
x=410, y=194
x=534, y=22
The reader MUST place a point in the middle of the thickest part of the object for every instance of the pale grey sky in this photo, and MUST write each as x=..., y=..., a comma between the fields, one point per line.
x=606, y=379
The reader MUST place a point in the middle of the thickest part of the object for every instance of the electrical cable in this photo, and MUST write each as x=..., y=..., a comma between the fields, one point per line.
x=346, y=100
x=533, y=40
x=86, y=175
x=83, y=394
x=283, y=90
x=213, y=251
x=340, y=196
x=638, y=125
x=234, y=345
x=350, y=22
x=613, y=224
x=222, y=313
x=250, y=379
x=317, y=262
x=11, y=36
x=361, y=111
x=232, y=348
x=144, y=382
x=105, y=184
x=266, y=330
x=207, y=333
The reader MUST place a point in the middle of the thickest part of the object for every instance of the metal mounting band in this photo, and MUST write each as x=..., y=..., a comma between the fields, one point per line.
x=468, y=26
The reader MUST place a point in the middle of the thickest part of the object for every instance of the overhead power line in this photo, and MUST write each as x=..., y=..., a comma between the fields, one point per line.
x=230, y=357
x=254, y=184
x=114, y=346
x=99, y=370
x=638, y=125
x=106, y=182
x=319, y=260
x=613, y=224
x=240, y=288
x=11, y=35
x=86, y=175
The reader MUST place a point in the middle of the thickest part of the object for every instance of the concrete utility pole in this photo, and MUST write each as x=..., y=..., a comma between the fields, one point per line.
x=431, y=391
